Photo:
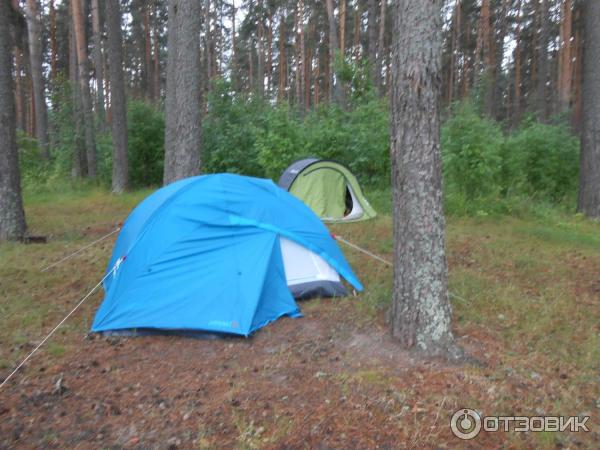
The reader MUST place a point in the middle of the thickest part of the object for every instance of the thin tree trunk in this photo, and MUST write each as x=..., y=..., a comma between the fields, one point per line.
x=84, y=87
x=37, y=75
x=260, y=69
x=120, y=166
x=270, y=55
x=150, y=94
x=19, y=91
x=282, y=59
x=421, y=312
x=234, y=68
x=589, y=172
x=542, y=69
x=343, y=28
x=307, y=65
x=156, y=70
x=496, y=98
x=79, y=165
x=53, y=42
x=98, y=60
x=454, y=43
x=381, y=47
x=565, y=56
x=317, y=78
x=577, y=72
x=517, y=58
x=357, y=14
x=334, y=46
x=182, y=148
x=300, y=55
x=372, y=42
x=12, y=215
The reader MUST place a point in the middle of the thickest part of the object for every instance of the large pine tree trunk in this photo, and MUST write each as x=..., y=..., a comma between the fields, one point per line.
x=120, y=167
x=12, y=217
x=39, y=90
x=589, y=182
x=421, y=312
x=183, y=135
x=83, y=76
x=98, y=60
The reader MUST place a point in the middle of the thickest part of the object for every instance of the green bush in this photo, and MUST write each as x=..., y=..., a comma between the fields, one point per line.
x=280, y=142
x=146, y=142
x=543, y=161
x=472, y=154
x=230, y=130
x=33, y=165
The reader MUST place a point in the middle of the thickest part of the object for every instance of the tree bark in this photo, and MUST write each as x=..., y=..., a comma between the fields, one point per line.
x=156, y=69
x=19, y=91
x=565, y=56
x=12, y=215
x=84, y=86
x=421, y=312
x=343, y=27
x=37, y=75
x=282, y=59
x=260, y=68
x=150, y=94
x=334, y=46
x=53, y=42
x=516, y=115
x=381, y=47
x=542, y=66
x=98, y=61
x=120, y=167
x=182, y=143
x=372, y=42
x=589, y=172
x=79, y=165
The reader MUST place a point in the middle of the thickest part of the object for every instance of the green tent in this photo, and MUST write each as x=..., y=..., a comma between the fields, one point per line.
x=329, y=189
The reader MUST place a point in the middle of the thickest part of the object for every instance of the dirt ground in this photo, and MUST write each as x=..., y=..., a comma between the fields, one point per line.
x=315, y=382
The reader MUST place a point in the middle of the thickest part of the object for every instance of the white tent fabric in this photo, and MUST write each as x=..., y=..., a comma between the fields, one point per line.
x=303, y=266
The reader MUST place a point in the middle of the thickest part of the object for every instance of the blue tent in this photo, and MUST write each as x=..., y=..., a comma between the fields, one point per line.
x=205, y=253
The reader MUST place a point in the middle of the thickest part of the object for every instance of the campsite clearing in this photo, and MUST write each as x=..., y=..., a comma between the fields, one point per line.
x=527, y=305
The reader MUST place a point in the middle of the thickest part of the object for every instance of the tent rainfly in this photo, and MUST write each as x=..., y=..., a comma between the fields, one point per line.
x=329, y=189
x=218, y=253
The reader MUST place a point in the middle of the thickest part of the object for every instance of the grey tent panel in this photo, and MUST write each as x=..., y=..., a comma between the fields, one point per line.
x=322, y=288
x=290, y=174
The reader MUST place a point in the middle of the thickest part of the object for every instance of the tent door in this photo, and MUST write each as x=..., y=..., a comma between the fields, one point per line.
x=356, y=212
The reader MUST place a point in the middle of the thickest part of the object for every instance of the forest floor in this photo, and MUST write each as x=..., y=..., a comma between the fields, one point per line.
x=526, y=305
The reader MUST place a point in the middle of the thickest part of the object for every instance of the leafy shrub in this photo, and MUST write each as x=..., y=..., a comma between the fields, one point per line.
x=280, y=142
x=146, y=142
x=543, y=160
x=472, y=154
x=33, y=165
x=230, y=131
